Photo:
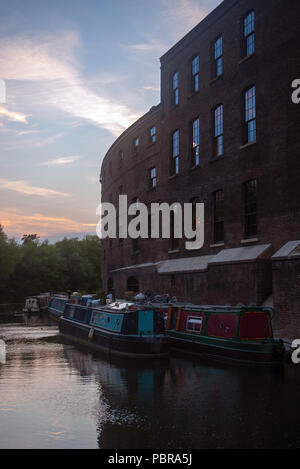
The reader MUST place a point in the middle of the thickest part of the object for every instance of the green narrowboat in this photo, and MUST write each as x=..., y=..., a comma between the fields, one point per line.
x=236, y=333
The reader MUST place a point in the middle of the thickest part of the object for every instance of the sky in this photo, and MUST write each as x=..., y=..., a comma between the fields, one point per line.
x=74, y=75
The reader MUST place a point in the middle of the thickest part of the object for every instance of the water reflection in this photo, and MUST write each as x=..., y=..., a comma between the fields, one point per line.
x=33, y=319
x=53, y=395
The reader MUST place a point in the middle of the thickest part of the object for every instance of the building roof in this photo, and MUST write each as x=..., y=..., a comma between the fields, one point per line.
x=290, y=250
x=240, y=255
x=189, y=264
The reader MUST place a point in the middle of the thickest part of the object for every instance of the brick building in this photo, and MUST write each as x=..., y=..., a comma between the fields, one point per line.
x=226, y=134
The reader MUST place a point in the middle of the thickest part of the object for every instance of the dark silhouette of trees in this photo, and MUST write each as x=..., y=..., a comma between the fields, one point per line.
x=30, y=237
x=33, y=267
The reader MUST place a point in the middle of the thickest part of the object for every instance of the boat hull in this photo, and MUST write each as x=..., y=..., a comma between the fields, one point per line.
x=54, y=316
x=117, y=344
x=268, y=352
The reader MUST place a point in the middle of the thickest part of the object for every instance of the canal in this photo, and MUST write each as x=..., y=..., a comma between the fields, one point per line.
x=54, y=395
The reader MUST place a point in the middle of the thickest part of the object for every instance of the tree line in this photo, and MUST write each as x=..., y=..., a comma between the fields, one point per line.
x=32, y=267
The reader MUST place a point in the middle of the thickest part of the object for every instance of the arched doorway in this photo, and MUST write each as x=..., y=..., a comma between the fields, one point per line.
x=132, y=285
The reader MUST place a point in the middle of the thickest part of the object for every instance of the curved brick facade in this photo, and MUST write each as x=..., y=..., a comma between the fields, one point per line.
x=242, y=276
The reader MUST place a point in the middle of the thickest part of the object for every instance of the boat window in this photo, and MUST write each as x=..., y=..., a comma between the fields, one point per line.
x=80, y=314
x=70, y=312
x=165, y=320
x=194, y=324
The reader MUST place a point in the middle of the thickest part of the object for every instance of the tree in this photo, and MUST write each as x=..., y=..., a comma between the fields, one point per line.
x=9, y=253
x=34, y=267
x=30, y=238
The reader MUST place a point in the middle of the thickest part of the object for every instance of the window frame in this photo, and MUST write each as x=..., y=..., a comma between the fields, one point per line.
x=218, y=220
x=173, y=242
x=153, y=135
x=248, y=38
x=195, y=146
x=175, y=156
x=218, y=136
x=152, y=178
x=217, y=59
x=201, y=320
x=175, y=89
x=249, y=212
x=195, y=75
x=249, y=116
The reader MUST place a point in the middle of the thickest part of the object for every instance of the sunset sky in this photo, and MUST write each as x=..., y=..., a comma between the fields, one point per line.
x=77, y=73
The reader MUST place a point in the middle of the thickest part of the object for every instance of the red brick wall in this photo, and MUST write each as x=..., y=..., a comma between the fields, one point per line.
x=273, y=160
x=286, y=281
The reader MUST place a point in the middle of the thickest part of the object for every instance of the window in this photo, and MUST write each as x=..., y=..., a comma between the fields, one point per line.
x=174, y=242
x=175, y=89
x=132, y=285
x=195, y=220
x=218, y=131
x=135, y=242
x=250, y=116
x=250, y=191
x=153, y=134
x=153, y=179
x=135, y=145
x=110, y=285
x=219, y=216
x=194, y=324
x=175, y=153
x=149, y=222
x=118, y=215
x=196, y=142
x=248, y=44
x=218, y=57
x=195, y=74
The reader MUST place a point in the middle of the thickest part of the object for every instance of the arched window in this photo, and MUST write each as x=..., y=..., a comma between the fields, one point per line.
x=110, y=284
x=133, y=285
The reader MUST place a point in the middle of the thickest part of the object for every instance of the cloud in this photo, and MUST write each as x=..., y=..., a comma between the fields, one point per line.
x=152, y=45
x=13, y=116
x=183, y=15
x=27, y=132
x=151, y=88
x=64, y=161
x=33, y=143
x=17, y=223
x=24, y=188
x=50, y=62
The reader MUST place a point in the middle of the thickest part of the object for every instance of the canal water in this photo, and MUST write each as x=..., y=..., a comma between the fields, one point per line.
x=54, y=395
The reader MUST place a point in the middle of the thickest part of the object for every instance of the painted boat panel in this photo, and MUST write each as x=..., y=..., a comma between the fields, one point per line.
x=222, y=325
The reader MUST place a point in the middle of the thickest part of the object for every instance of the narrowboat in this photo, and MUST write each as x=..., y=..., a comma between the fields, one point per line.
x=236, y=333
x=123, y=329
x=36, y=304
x=56, y=306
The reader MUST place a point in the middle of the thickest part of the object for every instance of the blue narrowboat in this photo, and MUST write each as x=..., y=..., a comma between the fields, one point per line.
x=124, y=329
